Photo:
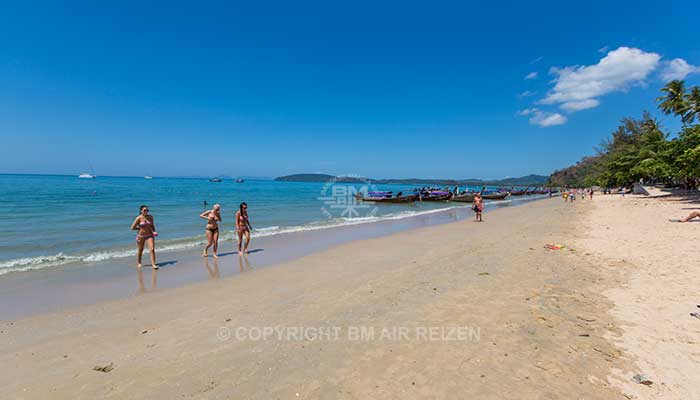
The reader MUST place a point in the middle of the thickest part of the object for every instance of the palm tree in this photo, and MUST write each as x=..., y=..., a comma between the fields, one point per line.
x=693, y=99
x=675, y=100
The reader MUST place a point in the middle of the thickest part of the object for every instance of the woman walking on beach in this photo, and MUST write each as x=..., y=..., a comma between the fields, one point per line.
x=691, y=216
x=478, y=207
x=243, y=227
x=213, y=217
x=146, y=228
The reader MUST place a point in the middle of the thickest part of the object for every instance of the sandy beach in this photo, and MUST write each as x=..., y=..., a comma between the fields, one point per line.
x=460, y=310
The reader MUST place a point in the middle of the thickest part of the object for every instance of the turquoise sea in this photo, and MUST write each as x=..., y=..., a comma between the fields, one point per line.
x=52, y=220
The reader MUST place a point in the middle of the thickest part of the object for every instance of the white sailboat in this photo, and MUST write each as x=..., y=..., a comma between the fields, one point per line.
x=91, y=175
x=147, y=177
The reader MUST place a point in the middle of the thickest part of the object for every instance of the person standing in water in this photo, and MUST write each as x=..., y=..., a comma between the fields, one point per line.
x=478, y=207
x=213, y=217
x=243, y=227
x=146, y=228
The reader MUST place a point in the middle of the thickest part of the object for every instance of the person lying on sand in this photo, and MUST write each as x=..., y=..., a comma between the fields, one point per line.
x=693, y=215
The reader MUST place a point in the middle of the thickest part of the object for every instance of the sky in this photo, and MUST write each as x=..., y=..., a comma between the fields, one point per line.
x=463, y=89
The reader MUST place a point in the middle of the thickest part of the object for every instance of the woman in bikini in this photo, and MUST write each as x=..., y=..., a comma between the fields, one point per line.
x=690, y=217
x=213, y=217
x=243, y=227
x=146, y=228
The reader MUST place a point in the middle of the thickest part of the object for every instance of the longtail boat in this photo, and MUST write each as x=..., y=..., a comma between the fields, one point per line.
x=495, y=196
x=469, y=197
x=518, y=192
x=437, y=196
x=386, y=197
x=464, y=197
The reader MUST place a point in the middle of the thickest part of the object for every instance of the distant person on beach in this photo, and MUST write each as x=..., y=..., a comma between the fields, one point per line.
x=213, y=217
x=146, y=228
x=243, y=227
x=478, y=207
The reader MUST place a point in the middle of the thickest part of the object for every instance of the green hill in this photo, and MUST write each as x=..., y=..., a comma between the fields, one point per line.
x=529, y=180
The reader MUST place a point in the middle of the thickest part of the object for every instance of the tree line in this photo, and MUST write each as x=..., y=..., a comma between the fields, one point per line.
x=640, y=150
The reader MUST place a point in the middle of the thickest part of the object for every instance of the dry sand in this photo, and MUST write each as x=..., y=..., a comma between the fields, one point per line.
x=660, y=272
x=543, y=318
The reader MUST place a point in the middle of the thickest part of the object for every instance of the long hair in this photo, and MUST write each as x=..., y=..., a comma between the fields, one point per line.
x=241, y=209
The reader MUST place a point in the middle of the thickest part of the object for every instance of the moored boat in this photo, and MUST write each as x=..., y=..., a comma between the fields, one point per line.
x=495, y=195
x=464, y=197
x=386, y=197
x=437, y=196
x=468, y=197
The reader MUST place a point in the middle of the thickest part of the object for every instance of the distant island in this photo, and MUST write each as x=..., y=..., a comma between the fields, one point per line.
x=529, y=180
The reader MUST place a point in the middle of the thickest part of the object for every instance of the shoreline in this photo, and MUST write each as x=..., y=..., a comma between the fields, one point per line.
x=576, y=322
x=26, y=293
x=527, y=303
x=183, y=244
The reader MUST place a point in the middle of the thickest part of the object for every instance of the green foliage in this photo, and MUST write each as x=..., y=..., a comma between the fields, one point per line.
x=639, y=149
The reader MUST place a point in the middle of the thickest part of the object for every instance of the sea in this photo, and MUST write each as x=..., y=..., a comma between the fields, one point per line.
x=50, y=220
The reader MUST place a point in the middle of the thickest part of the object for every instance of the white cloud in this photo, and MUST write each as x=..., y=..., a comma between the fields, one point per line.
x=527, y=111
x=576, y=87
x=531, y=75
x=678, y=68
x=536, y=60
x=603, y=49
x=546, y=119
x=527, y=93
x=543, y=118
x=573, y=106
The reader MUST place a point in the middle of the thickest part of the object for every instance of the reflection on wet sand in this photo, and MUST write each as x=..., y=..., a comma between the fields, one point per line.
x=244, y=263
x=213, y=271
x=142, y=287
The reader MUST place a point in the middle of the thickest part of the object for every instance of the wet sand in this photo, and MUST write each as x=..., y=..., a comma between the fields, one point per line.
x=53, y=289
x=542, y=323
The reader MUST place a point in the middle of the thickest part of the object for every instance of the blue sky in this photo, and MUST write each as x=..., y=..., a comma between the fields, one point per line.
x=381, y=89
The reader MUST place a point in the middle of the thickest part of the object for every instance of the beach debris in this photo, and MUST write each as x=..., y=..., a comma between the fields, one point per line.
x=103, y=368
x=585, y=318
x=584, y=335
x=554, y=246
x=483, y=273
x=642, y=380
x=145, y=331
x=611, y=354
x=694, y=314
x=228, y=319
